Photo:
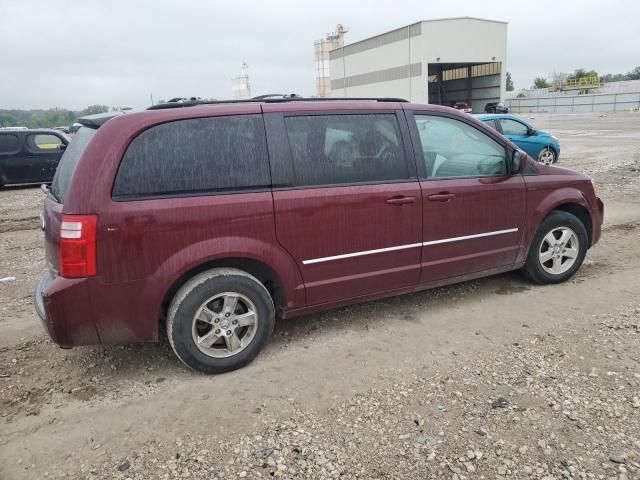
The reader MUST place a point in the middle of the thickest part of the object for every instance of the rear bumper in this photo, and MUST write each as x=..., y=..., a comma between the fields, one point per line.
x=64, y=308
x=44, y=281
x=598, y=219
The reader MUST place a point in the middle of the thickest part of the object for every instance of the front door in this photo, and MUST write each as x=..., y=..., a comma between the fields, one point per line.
x=473, y=208
x=347, y=201
x=519, y=133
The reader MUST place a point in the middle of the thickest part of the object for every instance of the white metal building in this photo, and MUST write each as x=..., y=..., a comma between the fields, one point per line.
x=440, y=61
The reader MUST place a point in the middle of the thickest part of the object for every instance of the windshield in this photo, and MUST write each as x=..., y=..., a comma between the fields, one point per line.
x=69, y=161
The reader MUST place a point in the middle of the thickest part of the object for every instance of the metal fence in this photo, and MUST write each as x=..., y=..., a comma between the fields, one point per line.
x=604, y=102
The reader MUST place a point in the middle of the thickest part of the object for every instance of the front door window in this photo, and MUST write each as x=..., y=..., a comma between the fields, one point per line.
x=455, y=149
x=512, y=127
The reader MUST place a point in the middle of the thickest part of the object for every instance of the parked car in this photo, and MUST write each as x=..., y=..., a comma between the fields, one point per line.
x=462, y=106
x=538, y=144
x=222, y=217
x=496, y=107
x=30, y=156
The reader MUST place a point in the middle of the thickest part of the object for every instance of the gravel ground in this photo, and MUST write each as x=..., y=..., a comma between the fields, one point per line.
x=493, y=378
x=560, y=405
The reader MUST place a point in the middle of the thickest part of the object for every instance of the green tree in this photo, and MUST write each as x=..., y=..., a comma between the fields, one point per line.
x=634, y=74
x=578, y=73
x=509, y=82
x=7, y=119
x=540, y=82
x=619, y=77
x=55, y=117
x=582, y=73
x=94, y=109
x=611, y=77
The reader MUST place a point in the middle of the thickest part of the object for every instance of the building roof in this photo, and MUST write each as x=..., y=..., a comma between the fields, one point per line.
x=407, y=27
x=463, y=18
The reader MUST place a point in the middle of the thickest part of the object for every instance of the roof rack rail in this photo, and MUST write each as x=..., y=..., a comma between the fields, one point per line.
x=269, y=96
x=274, y=98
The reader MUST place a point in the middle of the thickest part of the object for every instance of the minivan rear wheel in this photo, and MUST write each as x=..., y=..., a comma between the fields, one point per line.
x=220, y=320
x=558, y=248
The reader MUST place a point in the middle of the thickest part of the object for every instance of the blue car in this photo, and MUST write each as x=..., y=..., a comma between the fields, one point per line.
x=538, y=144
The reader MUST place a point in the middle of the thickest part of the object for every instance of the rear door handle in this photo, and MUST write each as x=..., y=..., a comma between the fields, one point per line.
x=401, y=200
x=441, y=197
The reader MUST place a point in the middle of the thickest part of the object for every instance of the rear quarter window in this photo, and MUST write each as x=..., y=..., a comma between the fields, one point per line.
x=9, y=143
x=69, y=162
x=195, y=156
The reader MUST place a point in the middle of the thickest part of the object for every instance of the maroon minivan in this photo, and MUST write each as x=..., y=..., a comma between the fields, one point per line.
x=216, y=218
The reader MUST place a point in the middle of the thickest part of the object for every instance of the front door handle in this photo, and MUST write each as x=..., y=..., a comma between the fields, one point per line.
x=401, y=200
x=441, y=197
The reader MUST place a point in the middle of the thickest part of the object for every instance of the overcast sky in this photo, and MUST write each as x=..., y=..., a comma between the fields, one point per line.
x=72, y=54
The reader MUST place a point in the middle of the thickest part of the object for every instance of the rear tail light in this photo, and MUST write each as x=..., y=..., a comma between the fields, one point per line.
x=78, y=246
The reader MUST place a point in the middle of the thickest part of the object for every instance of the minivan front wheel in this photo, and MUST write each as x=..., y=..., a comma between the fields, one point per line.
x=220, y=320
x=547, y=156
x=558, y=248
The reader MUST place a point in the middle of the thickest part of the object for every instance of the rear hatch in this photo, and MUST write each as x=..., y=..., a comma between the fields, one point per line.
x=54, y=203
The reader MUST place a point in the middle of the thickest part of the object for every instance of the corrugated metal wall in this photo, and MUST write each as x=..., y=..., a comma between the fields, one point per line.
x=612, y=102
x=377, y=41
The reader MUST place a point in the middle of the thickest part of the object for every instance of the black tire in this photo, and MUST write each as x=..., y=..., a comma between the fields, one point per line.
x=534, y=268
x=191, y=297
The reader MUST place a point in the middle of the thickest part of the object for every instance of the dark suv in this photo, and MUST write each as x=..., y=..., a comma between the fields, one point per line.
x=496, y=107
x=30, y=156
x=221, y=217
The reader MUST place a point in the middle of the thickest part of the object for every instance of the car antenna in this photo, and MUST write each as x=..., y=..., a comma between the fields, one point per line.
x=550, y=132
x=550, y=120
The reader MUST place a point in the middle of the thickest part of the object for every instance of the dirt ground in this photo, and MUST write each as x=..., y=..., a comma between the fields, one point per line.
x=494, y=378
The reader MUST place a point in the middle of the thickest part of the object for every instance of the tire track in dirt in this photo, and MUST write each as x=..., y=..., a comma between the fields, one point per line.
x=15, y=224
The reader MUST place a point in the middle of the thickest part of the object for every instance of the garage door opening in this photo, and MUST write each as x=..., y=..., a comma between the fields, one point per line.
x=475, y=84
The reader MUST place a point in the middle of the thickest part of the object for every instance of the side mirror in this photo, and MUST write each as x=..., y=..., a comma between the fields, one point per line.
x=63, y=146
x=517, y=157
x=532, y=131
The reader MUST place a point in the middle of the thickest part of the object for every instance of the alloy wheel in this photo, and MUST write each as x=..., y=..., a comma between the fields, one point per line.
x=224, y=325
x=546, y=156
x=559, y=250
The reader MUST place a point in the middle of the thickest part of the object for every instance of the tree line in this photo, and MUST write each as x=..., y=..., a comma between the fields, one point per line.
x=53, y=117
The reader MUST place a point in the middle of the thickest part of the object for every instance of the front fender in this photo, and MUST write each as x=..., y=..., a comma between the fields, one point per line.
x=541, y=202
